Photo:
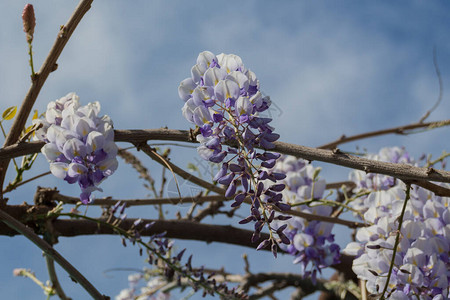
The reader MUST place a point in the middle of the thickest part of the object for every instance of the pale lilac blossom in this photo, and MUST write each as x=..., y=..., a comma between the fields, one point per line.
x=79, y=143
x=312, y=241
x=223, y=100
x=421, y=262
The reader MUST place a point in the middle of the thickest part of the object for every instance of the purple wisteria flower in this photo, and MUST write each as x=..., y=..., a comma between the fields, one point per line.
x=148, y=292
x=79, y=143
x=312, y=241
x=223, y=99
x=366, y=182
x=421, y=264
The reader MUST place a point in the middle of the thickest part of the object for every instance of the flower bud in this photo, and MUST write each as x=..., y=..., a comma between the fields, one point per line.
x=29, y=21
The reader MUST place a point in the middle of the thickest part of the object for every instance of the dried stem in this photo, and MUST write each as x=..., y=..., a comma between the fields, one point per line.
x=131, y=159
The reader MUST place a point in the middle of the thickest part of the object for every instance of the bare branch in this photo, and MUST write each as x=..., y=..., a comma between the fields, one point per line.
x=51, y=252
x=138, y=202
x=395, y=130
x=52, y=194
x=54, y=278
x=337, y=185
x=179, y=229
x=39, y=79
x=401, y=171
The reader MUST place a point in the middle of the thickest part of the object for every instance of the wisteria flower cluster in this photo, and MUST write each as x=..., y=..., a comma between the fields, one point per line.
x=223, y=99
x=312, y=241
x=148, y=292
x=367, y=182
x=421, y=262
x=79, y=143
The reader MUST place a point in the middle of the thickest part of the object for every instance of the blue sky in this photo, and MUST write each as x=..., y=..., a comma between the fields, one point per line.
x=331, y=67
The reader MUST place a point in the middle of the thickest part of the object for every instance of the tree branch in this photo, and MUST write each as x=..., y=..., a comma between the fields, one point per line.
x=39, y=79
x=401, y=171
x=178, y=229
x=54, y=278
x=51, y=252
x=395, y=130
x=179, y=171
x=138, y=202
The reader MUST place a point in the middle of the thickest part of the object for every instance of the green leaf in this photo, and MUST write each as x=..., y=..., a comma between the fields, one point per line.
x=192, y=167
x=9, y=113
x=29, y=128
x=35, y=115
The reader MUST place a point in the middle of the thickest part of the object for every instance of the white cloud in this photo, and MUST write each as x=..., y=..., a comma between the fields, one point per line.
x=331, y=70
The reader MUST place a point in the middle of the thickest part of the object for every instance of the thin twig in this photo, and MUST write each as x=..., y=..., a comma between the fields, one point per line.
x=395, y=130
x=337, y=185
x=177, y=170
x=211, y=210
x=139, y=202
x=397, y=240
x=362, y=286
x=251, y=280
x=131, y=159
x=178, y=229
x=51, y=252
x=199, y=199
x=162, y=160
x=327, y=219
x=441, y=87
x=10, y=188
x=54, y=278
x=39, y=79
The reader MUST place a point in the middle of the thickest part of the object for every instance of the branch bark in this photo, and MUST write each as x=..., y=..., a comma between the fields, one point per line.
x=402, y=171
x=177, y=229
x=19, y=228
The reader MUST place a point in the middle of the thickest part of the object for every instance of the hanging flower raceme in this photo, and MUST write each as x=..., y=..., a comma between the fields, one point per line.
x=312, y=241
x=421, y=263
x=223, y=99
x=366, y=182
x=79, y=143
